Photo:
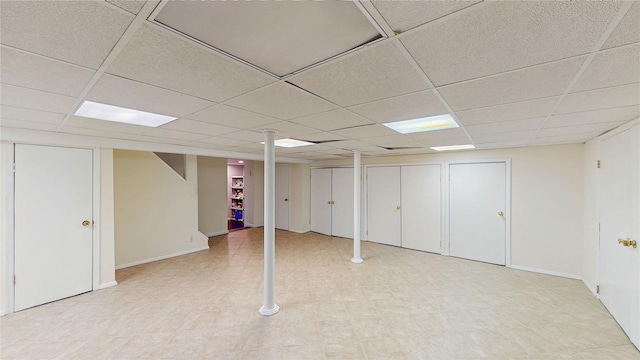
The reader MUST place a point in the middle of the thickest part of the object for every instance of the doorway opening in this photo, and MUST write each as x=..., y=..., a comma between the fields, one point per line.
x=236, y=195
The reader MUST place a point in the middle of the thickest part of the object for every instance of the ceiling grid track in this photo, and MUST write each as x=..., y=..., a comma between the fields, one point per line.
x=608, y=31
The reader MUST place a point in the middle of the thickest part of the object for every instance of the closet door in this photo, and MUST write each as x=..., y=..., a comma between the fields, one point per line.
x=421, y=214
x=383, y=205
x=282, y=197
x=342, y=202
x=321, y=201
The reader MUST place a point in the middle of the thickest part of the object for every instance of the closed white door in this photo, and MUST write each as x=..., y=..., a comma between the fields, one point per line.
x=420, y=188
x=321, y=201
x=282, y=196
x=53, y=223
x=383, y=205
x=477, y=205
x=619, y=202
x=342, y=202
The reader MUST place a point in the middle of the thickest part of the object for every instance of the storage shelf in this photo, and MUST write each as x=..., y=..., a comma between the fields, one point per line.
x=237, y=208
x=237, y=198
x=237, y=187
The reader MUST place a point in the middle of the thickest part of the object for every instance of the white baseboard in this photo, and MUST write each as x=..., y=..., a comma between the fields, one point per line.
x=299, y=231
x=591, y=288
x=546, y=272
x=216, y=233
x=107, y=285
x=118, y=267
x=3, y=313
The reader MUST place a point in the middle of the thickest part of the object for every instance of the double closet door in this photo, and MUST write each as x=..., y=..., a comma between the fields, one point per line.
x=404, y=206
x=332, y=201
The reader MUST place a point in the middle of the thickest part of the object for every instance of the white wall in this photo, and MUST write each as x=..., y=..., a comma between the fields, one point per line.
x=156, y=211
x=106, y=221
x=546, y=202
x=299, y=197
x=590, y=213
x=212, y=195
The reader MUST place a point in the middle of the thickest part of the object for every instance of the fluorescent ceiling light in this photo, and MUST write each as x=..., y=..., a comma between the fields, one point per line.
x=439, y=122
x=289, y=143
x=106, y=112
x=453, y=147
x=240, y=162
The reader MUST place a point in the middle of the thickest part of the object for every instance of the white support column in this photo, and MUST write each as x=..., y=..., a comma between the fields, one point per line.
x=357, y=186
x=269, y=307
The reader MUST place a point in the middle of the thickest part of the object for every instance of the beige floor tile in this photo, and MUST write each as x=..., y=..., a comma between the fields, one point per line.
x=343, y=350
x=384, y=349
x=304, y=352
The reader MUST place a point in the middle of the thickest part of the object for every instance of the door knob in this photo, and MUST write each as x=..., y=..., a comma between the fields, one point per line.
x=628, y=242
x=333, y=202
x=500, y=213
x=86, y=223
x=398, y=207
x=328, y=202
x=286, y=199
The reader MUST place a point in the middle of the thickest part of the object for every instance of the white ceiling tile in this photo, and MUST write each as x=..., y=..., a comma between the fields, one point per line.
x=34, y=99
x=159, y=57
x=628, y=30
x=405, y=107
x=332, y=120
x=132, y=6
x=405, y=15
x=86, y=123
x=222, y=142
x=501, y=137
x=564, y=139
x=288, y=129
x=174, y=134
x=393, y=141
x=33, y=71
x=247, y=135
x=351, y=145
x=198, y=127
x=614, y=67
x=375, y=73
x=154, y=139
x=230, y=116
x=131, y=94
x=204, y=145
x=11, y=123
x=626, y=113
x=22, y=114
x=527, y=84
x=617, y=96
x=505, y=126
x=503, y=144
x=513, y=111
x=360, y=132
x=322, y=136
x=429, y=136
x=282, y=101
x=79, y=32
x=98, y=133
x=317, y=156
x=579, y=129
x=509, y=35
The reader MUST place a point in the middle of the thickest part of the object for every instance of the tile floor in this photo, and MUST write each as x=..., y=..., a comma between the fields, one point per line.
x=398, y=304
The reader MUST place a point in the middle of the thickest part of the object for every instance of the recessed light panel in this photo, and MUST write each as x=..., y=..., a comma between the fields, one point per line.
x=94, y=110
x=289, y=143
x=279, y=37
x=453, y=147
x=439, y=122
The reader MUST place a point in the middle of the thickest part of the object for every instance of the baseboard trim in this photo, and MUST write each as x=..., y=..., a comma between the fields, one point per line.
x=299, y=231
x=140, y=262
x=107, y=285
x=546, y=272
x=3, y=313
x=591, y=288
x=216, y=233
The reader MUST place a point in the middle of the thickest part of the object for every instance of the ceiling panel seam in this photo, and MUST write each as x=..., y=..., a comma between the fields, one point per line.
x=47, y=57
x=137, y=22
x=594, y=51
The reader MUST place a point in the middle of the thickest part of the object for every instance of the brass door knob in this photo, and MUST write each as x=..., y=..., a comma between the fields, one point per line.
x=628, y=242
x=333, y=202
x=500, y=213
x=328, y=202
x=86, y=223
x=398, y=207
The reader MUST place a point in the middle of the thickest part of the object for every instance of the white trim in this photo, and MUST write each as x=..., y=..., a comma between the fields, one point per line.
x=8, y=288
x=546, y=272
x=299, y=231
x=591, y=288
x=2, y=313
x=107, y=285
x=619, y=129
x=140, y=262
x=507, y=210
x=96, y=218
x=216, y=233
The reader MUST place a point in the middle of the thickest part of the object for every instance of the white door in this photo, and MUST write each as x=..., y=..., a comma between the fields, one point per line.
x=477, y=205
x=619, y=213
x=282, y=196
x=383, y=205
x=321, y=201
x=420, y=188
x=342, y=202
x=53, y=247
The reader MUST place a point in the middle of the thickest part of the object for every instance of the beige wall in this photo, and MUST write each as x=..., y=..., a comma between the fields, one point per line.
x=107, y=226
x=156, y=211
x=254, y=194
x=299, y=197
x=590, y=214
x=547, y=199
x=212, y=195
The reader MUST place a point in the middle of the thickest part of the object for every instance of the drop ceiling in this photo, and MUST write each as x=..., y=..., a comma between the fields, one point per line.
x=513, y=74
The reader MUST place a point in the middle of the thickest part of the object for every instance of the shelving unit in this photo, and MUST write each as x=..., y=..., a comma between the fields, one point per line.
x=237, y=198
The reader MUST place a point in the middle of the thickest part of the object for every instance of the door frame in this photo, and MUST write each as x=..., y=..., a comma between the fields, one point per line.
x=8, y=218
x=445, y=204
x=365, y=192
